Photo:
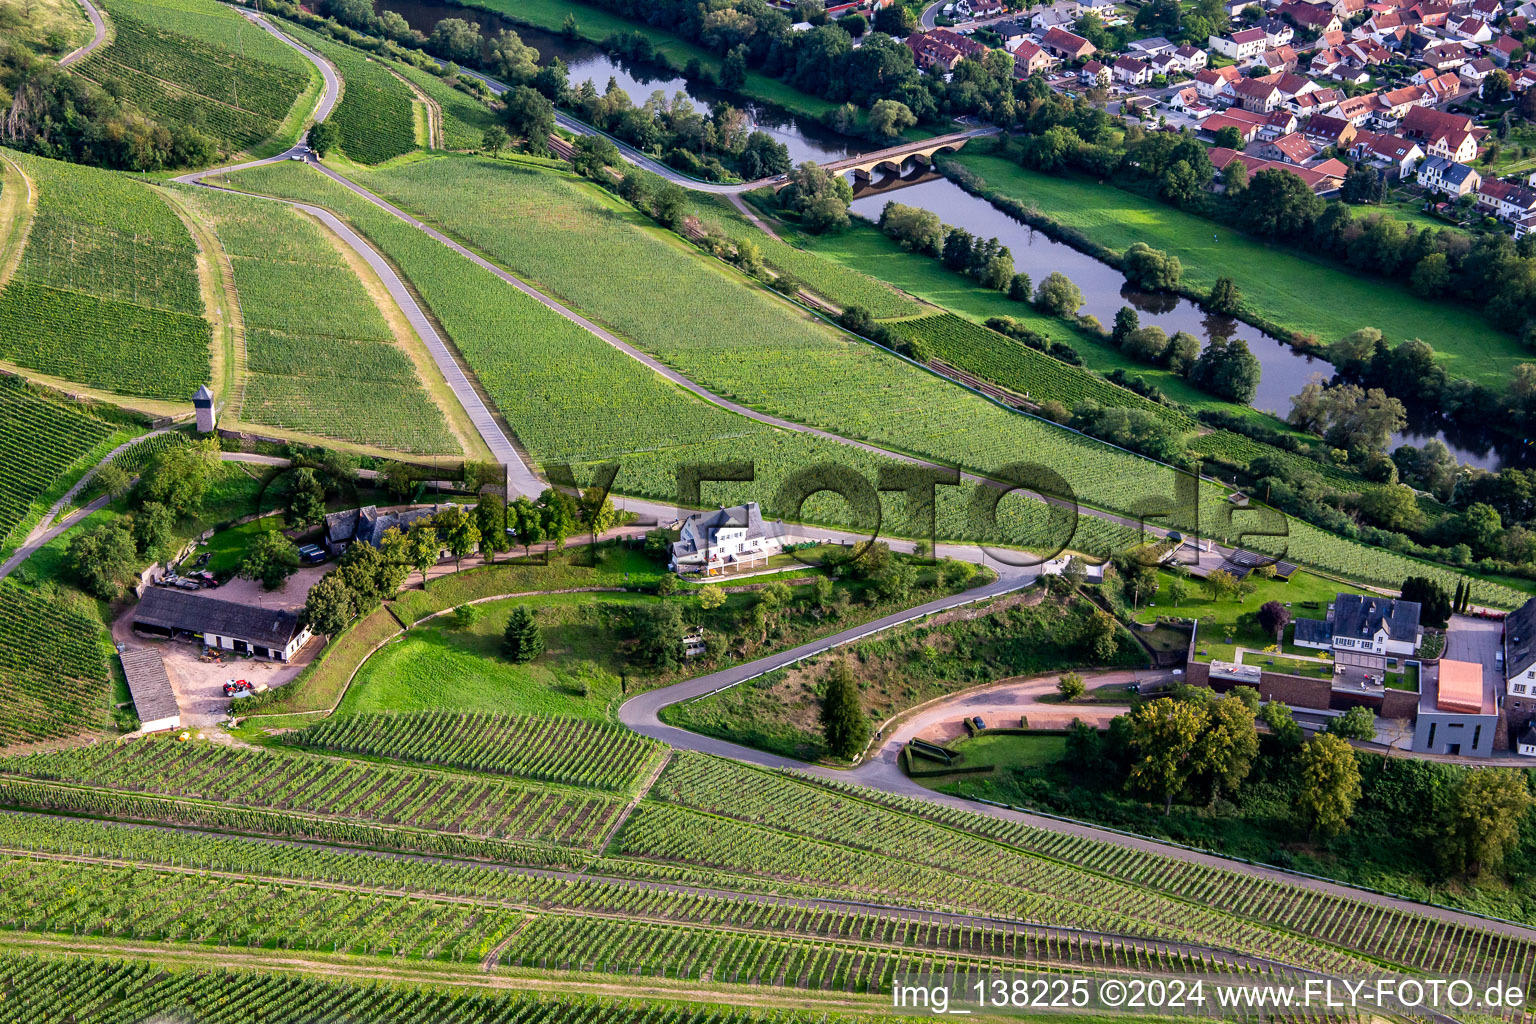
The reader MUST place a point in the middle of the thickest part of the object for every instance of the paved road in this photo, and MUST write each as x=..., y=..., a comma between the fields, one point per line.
x=931, y=12
x=99, y=35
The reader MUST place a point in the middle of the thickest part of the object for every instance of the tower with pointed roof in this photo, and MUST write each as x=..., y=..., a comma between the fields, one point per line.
x=202, y=403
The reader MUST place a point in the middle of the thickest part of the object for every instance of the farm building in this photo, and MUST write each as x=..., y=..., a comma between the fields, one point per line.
x=153, y=699
x=263, y=632
x=369, y=525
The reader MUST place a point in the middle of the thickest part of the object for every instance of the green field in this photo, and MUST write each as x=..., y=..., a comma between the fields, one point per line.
x=439, y=666
x=1304, y=295
x=198, y=64
x=374, y=118
x=40, y=23
x=106, y=293
x=39, y=440
x=320, y=357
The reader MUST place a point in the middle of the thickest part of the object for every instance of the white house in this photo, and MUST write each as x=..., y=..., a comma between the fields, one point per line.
x=727, y=540
x=1364, y=625
x=1439, y=174
x=1240, y=46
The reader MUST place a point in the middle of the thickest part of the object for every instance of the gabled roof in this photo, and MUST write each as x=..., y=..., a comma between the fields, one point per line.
x=1314, y=631
x=1520, y=638
x=189, y=612
x=1295, y=148
x=1360, y=616
x=153, y=697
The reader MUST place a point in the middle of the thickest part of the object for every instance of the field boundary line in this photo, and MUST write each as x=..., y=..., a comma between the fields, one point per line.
x=19, y=226
x=645, y=787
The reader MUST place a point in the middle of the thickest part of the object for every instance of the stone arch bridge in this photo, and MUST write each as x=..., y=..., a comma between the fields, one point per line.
x=865, y=165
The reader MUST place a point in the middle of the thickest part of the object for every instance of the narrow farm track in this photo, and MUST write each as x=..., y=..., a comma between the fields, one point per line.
x=99, y=35
x=45, y=530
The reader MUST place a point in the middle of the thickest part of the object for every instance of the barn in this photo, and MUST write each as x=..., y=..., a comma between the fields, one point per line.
x=179, y=614
x=153, y=699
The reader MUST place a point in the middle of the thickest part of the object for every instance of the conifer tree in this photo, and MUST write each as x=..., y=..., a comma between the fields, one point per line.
x=522, y=641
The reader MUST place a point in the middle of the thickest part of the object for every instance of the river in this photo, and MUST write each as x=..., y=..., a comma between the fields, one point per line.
x=1285, y=370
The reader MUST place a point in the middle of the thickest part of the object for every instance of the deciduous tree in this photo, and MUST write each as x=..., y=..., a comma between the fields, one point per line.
x=1330, y=783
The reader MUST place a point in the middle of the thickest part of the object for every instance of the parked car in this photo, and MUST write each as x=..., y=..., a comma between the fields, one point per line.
x=312, y=553
x=185, y=584
x=978, y=723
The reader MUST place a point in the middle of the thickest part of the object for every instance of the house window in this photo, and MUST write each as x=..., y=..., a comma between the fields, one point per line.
x=1477, y=734
x=1432, y=727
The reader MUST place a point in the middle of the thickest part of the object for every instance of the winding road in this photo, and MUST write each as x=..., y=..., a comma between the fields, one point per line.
x=98, y=36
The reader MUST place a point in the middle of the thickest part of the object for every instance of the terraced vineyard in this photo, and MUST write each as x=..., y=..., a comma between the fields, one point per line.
x=89, y=991
x=595, y=755
x=320, y=357
x=166, y=779
x=39, y=440
x=53, y=675
x=198, y=64
x=374, y=117
x=106, y=293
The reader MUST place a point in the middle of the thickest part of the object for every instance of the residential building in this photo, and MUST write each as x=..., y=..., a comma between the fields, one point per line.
x=1030, y=58
x=1146, y=49
x=1318, y=101
x=1314, y=18
x=1191, y=59
x=1280, y=59
x=1470, y=29
x=270, y=633
x=1502, y=49
x=1215, y=84
x=1276, y=31
x=1438, y=174
x=1458, y=709
x=1392, y=153
x=1367, y=625
x=1240, y=46
x=1474, y=71
x=1444, y=56
x=1260, y=95
x=1506, y=201
x=1357, y=110
x=1095, y=75
x=1132, y=72
x=1320, y=182
x=727, y=540
x=1246, y=124
x=1326, y=130
x=1058, y=42
x=1288, y=149
x=369, y=525
x=943, y=48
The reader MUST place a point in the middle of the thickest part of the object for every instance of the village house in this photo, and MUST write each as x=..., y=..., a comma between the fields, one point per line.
x=1260, y=95
x=1276, y=31
x=1215, y=84
x=1247, y=124
x=1313, y=18
x=1502, y=50
x=1326, y=130
x=1469, y=29
x=1030, y=58
x=1240, y=46
x=1520, y=673
x=1318, y=101
x=1443, y=56
x=943, y=48
x=1322, y=182
x=1132, y=72
x=1474, y=71
x=1395, y=155
x=1437, y=174
x=1458, y=709
x=1187, y=101
x=1278, y=60
x=1058, y=42
x=1357, y=110
x=1094, y=75
x=1364, y=625
x=154, y=699
x=1146, y=49
x=369, y=525
x=1505, y=200
x=1191, y=59
x=1441, y=133
x=1287, y=149
x=727, y=540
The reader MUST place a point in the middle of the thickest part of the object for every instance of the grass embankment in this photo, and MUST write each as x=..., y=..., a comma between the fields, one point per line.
x=1306, y=294
x=903, y=668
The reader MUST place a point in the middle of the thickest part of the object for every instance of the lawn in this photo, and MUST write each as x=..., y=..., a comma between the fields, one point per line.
x=440, y=666
x=1307, y=595
x=41, y=23
x=228, y=547
x=1002, y=751
x=1305, y=295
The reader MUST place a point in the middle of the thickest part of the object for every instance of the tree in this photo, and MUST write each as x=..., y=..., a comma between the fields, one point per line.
x=1481, y=822
x=513, y=60
x=1221, y=585
x=733, y=70
x=1229, y=745
x=1182, y=351
x=522, y=641
x=592, y=154
x=1273, y=618
x=422, y=548
x=1228, y=369
x=456, y=39
x=842, y=716
x=895, y=20
x=1358, y=723
x=1392, y=507
x=659, y=635
x=330, y=605
x=1279, y=204
x=597, y=512
x=459, y=531
x=1151, y=269
x=1495, y=88
x=1071, y=686
x=712, y=597
x=154, y=531
x=1164, y=744
x=113, y=480
x=1146, y=344
x=1178, y=590
x=103, y=559
x=1126, y=321
x=1281, y=725
x=178, y=477
x=1225, y=298
x=1330, y=783
x=559, y=515
x=1084, y=746
x=530, y=116
x=495, y=139
x=324, y=136
x=1058, y=296
x=818, y=196
x=890, y=118
x=491, y=518
x=1433, y=599
x=271, y=558
x=306, y=497
x=1230, y=138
